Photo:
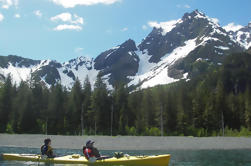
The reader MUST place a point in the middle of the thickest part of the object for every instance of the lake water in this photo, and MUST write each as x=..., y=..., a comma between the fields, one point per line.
x=178, y=157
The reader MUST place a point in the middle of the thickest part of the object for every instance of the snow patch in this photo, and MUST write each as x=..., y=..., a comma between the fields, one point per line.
x=18, y=74
x=222, y=47
x=199, y=59
x=185, y=75
x=106, y=78
x=219, y=53
x=152, y=74
x=22, y=73
x=242, y=39
x=206, y=39
x=144, y=64
x=116, y=47
x=110, y=53
x=81, y=73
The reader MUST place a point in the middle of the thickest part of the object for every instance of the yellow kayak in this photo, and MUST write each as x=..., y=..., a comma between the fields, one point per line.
x=158, y=160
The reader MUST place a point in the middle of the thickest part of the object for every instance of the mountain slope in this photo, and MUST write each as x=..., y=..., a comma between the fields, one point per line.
x=169, y=53
x=118, y=63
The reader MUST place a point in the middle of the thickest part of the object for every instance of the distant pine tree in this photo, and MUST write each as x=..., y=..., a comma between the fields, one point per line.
x=5, y=103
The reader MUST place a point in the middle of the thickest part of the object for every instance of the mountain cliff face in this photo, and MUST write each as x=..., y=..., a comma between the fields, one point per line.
x=167, y=54
x=118, y=63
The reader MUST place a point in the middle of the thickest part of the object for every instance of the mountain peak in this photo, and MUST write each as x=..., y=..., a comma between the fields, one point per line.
x=110, y=57
x=195, y=14
x=249, y=24
x=129, y=44
x=198, y=13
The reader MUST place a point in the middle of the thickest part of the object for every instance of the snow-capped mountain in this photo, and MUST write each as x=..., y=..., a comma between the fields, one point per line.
x=240, y=34
x=47, y=71
x=166, y=55
x=168, y=52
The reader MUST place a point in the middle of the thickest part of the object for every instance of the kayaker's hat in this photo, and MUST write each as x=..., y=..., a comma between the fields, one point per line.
x=46, y=141
x=89, y=142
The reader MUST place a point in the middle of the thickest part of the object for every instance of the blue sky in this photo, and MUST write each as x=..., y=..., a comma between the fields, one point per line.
x=65, y=29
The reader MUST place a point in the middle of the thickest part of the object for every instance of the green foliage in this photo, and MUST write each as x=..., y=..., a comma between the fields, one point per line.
x=131, y=130
x=244, y=132
x=201, y=132
x=154, y=131
x=5, y=103
x=9, y=128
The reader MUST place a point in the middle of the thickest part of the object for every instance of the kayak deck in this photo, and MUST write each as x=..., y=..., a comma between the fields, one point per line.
x=158, y=160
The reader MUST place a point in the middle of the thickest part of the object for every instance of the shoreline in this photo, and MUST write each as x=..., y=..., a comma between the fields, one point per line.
x=127, y=142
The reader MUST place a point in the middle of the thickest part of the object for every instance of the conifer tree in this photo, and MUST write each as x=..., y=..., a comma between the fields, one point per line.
x=87, y=93
x=100, y=107
x=121, y=107
x=56, y=110
x=5, y=103
x=247, y=113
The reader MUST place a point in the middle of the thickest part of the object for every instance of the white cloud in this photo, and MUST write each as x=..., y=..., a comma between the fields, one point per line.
x=67, y=17
x=73, y=3
x=74, y=22
x=78, y=50
x=154, y=24
x=144, y=27
x=78, y=20
x=38, y=13
x=108, y=31
x=183, y=6
x=67, y=27
x=1, y=17
x=124, y=29
x=162, y=25
x=215, y=20
x=166, y=26
x=232, y=27
x=17, y=15
x=187, y=6
x=8, y=3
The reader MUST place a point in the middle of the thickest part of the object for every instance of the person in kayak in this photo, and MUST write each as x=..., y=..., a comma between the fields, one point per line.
x=90, y=151
x=46, y=149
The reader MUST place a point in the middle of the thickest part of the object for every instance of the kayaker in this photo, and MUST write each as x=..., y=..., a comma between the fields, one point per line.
x=90, y=151
x=46, y=149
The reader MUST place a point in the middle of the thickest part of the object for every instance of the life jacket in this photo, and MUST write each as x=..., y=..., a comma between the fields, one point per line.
x=47, y=150
x=44, y=149
x=88, y=153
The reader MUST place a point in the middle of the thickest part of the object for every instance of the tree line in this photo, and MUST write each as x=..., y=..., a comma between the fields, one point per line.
x=215, y=101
